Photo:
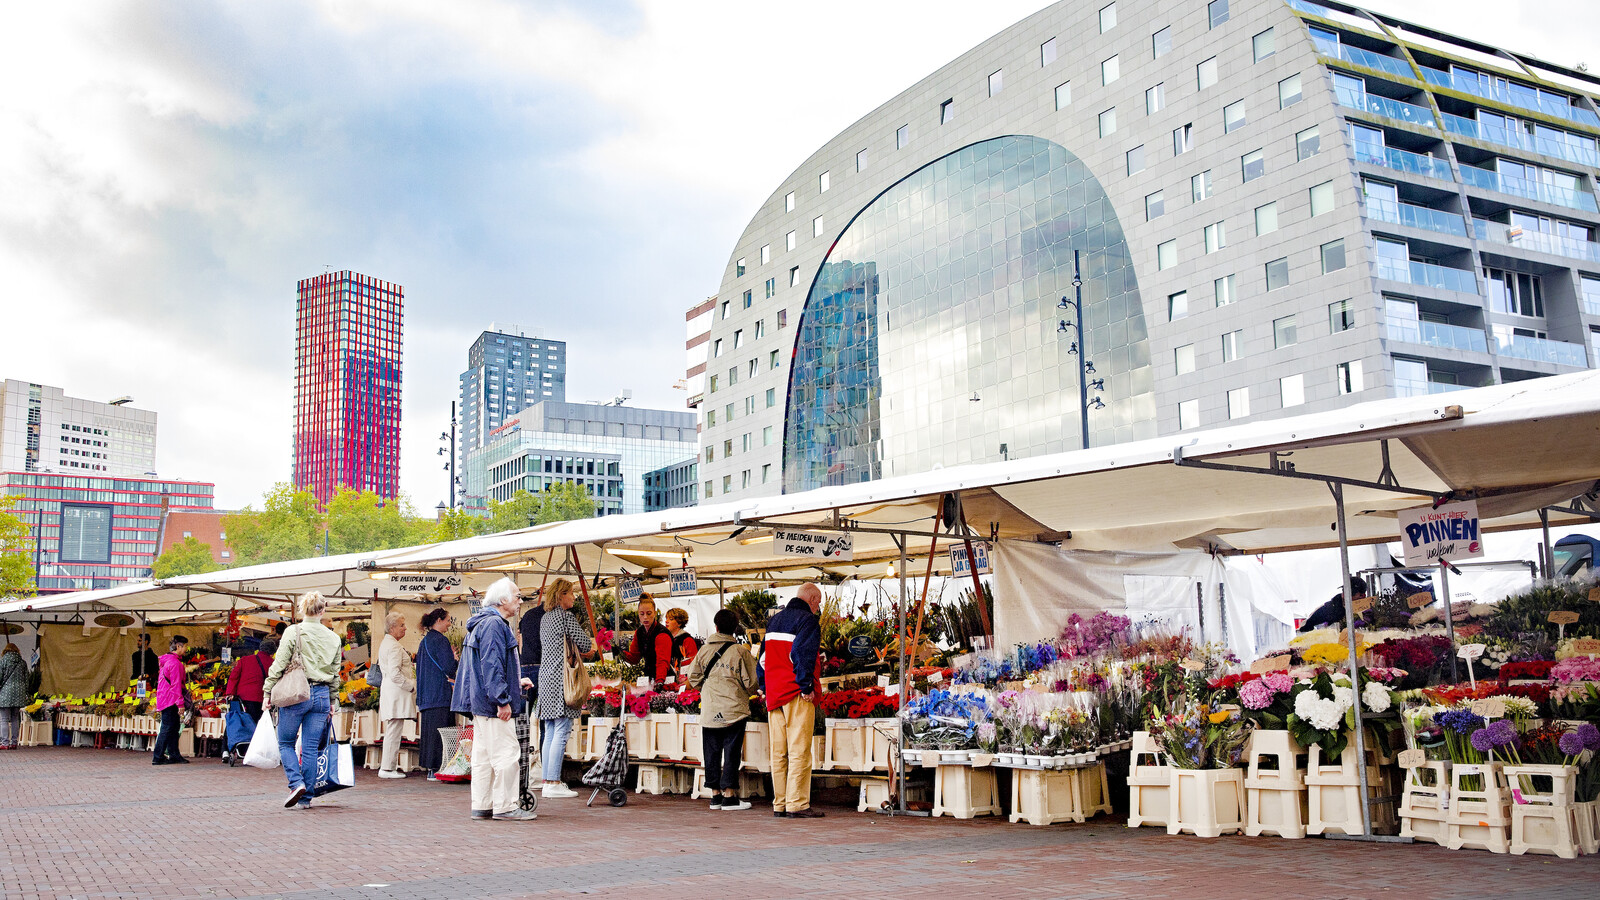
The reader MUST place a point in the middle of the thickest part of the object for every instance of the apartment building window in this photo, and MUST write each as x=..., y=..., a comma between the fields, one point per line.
x=1063, y=95
x=1205, y=74
x=727, y=448
x=1135, y=158
x=711, y=417
x=744, y=478
x=1047, y=53
x=1253, y=165
x=766, y=436
x=1177, y=305
x=772, y=287
x=1108, y=122
x=1182, y=139
x=752, y=368
x=824, y=181
x=733, y=379
x=1200, y=186
x=1266, y=218
x=1307, y=143
x=788, y=204
x=789, y=241
x=727, y=413
x=1110, y=71
x=1341, y=315
x=713, y=384
x=1239, y=403
x=1108, y=18
x=1283, y=333
x=1222, y=289
x=1234, y=117
x=1278, y=273
x=794, y=276
x=1515, y=293
x=1154, y=205
x=1232, y=346
x=748, y=301
x=947, y=112
x=1291, y=390
x=1166, y=255
x=772, y=396
x=816, y=227
x=1347, y=375
x=766, y=253
x=1188, y=414
x=738, y=267
x=727, y=483
x=997, y=81
x=1183, y=360
x=1321, y=198
x=726, y=306
x=783, y=318
x=711, y=453
x=716, y=348
x=1155, y=98
x=1332, y=256
x=766, y=472
x=1216, y=237
x=1263, y=45
x=1217, y=11
x=1289, y=91
x=744, y=444
x=772, y=358
x=861, y=160
x=1161, y=43
x=738, y=338
x=708, y=490
x=761, y=331
x=902, y=137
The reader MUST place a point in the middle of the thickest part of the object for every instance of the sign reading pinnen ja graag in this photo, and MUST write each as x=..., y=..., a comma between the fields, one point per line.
x=1448, y=532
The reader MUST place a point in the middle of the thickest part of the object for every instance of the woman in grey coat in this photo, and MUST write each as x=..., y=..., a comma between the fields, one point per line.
x=555, y=716
x=13, y=696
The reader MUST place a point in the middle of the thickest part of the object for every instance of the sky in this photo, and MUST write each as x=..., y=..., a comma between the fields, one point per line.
x=169, y=171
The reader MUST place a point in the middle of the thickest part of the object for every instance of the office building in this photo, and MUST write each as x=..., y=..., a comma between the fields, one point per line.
x=44, y=430
x=607, y=449
x=508, y=369
x=93, y=532
x=673, y=486
x=1275, y=208
x=347, y=384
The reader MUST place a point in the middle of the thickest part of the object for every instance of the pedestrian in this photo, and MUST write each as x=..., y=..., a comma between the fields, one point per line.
x=249, y=673
x=171, y=697
x=651, y=647
x=558, y=627
x=13, y=696
x=791, y=644
x=489, y=688
x=682, y=643
x=436, y=677
x=725, y=674
x=528, y=629
x=397, y=696
x=317, y=648
x=145, y=666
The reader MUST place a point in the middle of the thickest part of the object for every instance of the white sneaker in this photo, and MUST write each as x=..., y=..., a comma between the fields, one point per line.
x=735, y=805
x=387, y=773
x=558, y=791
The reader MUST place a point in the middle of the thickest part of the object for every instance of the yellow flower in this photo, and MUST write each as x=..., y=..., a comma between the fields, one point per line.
x=1217, y=718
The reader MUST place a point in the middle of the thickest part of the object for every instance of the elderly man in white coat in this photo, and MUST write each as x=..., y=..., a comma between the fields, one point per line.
x=397, y=698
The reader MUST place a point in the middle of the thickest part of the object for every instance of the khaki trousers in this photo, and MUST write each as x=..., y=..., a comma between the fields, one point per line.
x=790, y=728
x=391, y=742
x=495, y=755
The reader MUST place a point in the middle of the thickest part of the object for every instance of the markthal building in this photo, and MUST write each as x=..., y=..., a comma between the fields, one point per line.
x=1150, y=217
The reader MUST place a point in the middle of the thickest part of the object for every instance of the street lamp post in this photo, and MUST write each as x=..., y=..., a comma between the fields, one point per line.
x=1080, y=349
x=450, y=466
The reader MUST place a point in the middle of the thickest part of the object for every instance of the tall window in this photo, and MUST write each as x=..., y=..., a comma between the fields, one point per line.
x=997, y=81
x=748, y=301
x=1136, y=160
x=902, y=136
x=1155, y=98
x=1108, y=122
x=1232, y=346
x=947, y=112
x=1307, y=143
x=1110, y=70
x=1200, y=186
x=1154, y=205
x=1063, y=95
x=1177, y=305
x=1166, y=255
x=1047, y=52
x=1332, y=256
x=1341, y=315
x=1347, y=377
x=738, y=267
x=823, y=182
x=1216, y=236
x=789, y=241
x=1234, y=117
x=772, y=286
x=788, y=203
x=1217, y=12
x=1263, y=45
x=1278, y=273
x=1205, y=74
x=1253, y=164
x=1284, y=333
x=766, y=253
x=1182, y=139
x=1239, y=403
x=1108, y=18
x=1266, y=218
x=1188, y=414
x=1292, y=390
x=861, y=160
x=1161, y=43
x=1223, y=289
x=794, y=276
x=1289, y=91
x=1183, y=360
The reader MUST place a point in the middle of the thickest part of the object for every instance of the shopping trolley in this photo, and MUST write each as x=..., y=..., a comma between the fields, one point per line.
x=527, y=757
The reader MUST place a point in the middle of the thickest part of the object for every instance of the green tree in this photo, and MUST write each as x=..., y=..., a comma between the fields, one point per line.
x=190, y=557
x=359, y=521
x=288, y=526
x=455, y=524
x=521, y=511
x=565, y=502
x=16, y=562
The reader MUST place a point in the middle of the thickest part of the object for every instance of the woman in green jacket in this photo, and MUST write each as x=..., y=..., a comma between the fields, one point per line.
x=725, y=674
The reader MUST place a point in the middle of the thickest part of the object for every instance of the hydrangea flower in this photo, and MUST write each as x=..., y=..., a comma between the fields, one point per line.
x=1255, y=695
x=1375, y=696
x=1279, y=682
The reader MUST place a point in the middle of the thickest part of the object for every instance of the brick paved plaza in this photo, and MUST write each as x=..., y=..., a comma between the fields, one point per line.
x=85, y=823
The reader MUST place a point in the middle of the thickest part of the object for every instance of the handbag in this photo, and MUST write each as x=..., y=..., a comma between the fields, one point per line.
x=575, y=678
x=293, y=686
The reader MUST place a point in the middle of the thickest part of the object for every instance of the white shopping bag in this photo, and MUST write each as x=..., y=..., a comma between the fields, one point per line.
x=263, y=752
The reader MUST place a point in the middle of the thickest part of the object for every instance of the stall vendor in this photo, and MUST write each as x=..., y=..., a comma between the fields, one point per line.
x=684, y=646
x=145, y=664
x=652, y=643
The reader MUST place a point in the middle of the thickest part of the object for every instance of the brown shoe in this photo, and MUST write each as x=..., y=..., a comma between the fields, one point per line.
x=807, y=813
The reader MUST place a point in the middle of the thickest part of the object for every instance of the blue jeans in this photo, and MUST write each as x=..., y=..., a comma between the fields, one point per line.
x=307, y=720
x=554, y=749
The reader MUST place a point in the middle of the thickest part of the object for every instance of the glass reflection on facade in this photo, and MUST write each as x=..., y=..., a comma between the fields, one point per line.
x=929, y=336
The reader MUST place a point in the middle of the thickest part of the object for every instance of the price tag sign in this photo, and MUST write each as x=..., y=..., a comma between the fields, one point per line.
x=1277, y=663
x=1470, y=651
x=1586, y=646
x=1191, y=665
x=892, y=690
x=1594, y=595
x=227, y=652
x=1560, y=617
x=883, y=682
x=1360, y=605
x=1419, y=599
x=935, y=677
x=1411, y=759
x=1489, y=707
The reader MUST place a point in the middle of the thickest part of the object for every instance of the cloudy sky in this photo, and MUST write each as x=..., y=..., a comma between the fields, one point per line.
x=169, y=170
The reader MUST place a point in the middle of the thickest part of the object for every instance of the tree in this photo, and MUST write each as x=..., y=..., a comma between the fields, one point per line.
x=16, y=564
x=360, y=521
x=288, y=526
x=190, y=557
x=455, y=524
x=521, y=511
x=565, y=502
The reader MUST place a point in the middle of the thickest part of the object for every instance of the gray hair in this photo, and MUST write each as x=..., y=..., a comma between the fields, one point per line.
x=391, y=620
x=504, y=593
x=312, y=604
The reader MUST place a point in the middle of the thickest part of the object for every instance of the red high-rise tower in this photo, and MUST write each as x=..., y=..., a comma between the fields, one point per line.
x=347, y=385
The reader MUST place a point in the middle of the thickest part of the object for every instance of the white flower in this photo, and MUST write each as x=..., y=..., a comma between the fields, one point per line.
x=1376, y=696
x=1520, y=707
x=1327, y=715
x=1303, y=703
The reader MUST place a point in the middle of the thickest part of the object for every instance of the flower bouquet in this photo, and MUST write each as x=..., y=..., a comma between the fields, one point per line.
x=1194, y=736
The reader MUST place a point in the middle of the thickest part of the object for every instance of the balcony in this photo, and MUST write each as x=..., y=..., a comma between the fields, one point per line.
x=1591, y=306
x=1521, y=140
x=1406, y=387
x=1495, y=233
x=1399, y=68
x=1501, y=93
x=1530, y=190
x=1383, y=106
x=1403, y=161
x=1413, y=216
x=1428, y=275
x=1560, y=353
x=1315, y=9
x=1437, y=334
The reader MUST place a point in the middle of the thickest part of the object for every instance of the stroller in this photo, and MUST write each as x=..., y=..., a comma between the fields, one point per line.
x=611, y=772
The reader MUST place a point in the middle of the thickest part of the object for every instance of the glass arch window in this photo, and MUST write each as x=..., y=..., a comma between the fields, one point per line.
x=930, y=333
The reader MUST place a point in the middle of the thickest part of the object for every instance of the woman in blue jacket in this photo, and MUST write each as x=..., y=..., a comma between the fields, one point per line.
x=436, y=678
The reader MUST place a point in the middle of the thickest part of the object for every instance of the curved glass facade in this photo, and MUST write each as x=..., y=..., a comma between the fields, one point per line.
x=929, y=336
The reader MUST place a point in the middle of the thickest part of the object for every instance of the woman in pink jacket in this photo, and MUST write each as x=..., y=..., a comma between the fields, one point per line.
x=170, y=700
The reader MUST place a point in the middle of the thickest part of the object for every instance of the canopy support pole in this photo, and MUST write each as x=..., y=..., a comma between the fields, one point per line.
x=1355, y=677
x=927, y=578
x=972, y=568
x=572, y=554
x=1449, y=617
x=900, y=762
x=1547, y=553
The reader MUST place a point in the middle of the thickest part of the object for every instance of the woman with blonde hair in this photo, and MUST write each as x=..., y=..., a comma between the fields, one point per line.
x=13, y=696
x=315, y=647
x=557, y=630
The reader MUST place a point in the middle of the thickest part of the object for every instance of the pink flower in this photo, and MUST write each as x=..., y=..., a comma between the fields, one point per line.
x=1576, y=668
x=1279, y=682
x=1255, y=694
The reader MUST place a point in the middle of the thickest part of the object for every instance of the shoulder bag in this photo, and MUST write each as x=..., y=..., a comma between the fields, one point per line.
x=575, y=677
x=292, y=686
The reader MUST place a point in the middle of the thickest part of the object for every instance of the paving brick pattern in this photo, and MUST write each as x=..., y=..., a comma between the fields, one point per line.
x=81, y=823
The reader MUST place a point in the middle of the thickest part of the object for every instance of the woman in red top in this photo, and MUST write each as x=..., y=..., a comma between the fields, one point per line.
x=652, y=644
x=683, y=646
x=247, y=675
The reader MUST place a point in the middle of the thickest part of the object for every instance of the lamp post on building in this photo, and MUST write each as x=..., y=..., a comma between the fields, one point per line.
x=450, y=438
x=1080, y=349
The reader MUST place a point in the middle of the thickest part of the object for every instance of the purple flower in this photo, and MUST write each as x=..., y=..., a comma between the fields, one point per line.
x=1482, y=741
x=1590, y=735
x=1459, y=721
x=1255, y=695
x=1571, y=744
x=1279, y=682
x=1502, y=733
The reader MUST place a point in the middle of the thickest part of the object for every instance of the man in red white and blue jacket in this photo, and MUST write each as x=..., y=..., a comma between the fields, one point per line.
x=790, y=647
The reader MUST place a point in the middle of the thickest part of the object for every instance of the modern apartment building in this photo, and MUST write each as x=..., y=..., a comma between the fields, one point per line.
x=671, y=487
x=44, y=430
x=1272, y=207
x=347, y=384
x=607, y=449
x=508, y=370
